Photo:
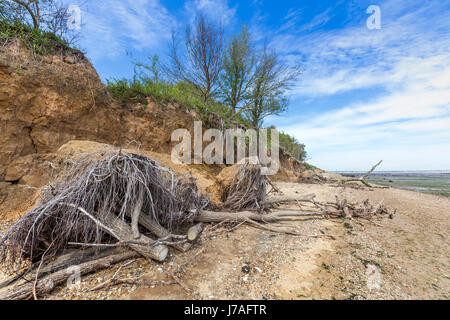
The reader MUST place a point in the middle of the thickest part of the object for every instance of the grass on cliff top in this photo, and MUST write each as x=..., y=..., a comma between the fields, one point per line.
x=139, y=90
x=38, y=41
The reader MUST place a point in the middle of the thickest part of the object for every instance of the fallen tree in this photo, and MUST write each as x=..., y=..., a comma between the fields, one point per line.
x=247, y=190
x=49, y=282
x=338, y=209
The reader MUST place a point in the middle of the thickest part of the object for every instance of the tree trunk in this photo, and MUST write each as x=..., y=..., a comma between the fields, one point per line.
x=291, y=198
x=210, y=216
x=46, y=284
x=194, y=231
x=72, y=257
x=161, y=232
x=123, y=230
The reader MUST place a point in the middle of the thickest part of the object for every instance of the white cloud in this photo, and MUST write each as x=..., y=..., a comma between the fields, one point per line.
x=339, y=60
x=408, y=58
x=217, y=9
x=114, y=26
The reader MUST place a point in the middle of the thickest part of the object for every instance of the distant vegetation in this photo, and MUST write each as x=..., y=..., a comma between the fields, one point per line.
x=293, y=147
x=310, y=166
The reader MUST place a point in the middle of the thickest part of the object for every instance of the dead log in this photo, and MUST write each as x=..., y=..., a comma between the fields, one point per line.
x=161, y=232
x=70, y=258
x=135, y=215
x=291, y=198
x=194, y=231
x=122, y=232
x=148, y=248
x=47, y=283
x=211, y=216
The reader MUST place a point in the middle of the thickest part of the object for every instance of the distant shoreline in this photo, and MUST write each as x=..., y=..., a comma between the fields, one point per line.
x=396, y=173
x=435, y=182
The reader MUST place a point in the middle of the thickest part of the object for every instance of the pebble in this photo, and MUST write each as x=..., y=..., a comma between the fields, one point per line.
x=245, y=269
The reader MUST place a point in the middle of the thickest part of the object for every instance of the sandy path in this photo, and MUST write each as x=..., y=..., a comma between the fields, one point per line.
x=410, y=253
x=403, y=258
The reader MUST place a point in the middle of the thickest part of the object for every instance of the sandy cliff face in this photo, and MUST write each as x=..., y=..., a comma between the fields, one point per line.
x=47, y=102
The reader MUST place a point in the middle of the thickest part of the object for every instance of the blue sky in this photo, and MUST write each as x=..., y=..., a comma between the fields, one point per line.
x=365, y=95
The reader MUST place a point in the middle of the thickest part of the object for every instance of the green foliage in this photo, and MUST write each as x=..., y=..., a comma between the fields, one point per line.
x=147, y=83
x=139, y=90
x=40, y=42
x=310, y=166
x=292, y=147
x=271, y=82
x=239, y=61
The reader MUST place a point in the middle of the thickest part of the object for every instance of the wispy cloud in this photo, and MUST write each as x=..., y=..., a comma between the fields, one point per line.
x=111, y=27
x=355, y=57
x=408, y=59
x=220, y=10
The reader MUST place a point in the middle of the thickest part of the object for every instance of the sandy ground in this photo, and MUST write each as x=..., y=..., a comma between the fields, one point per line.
x=406, y=257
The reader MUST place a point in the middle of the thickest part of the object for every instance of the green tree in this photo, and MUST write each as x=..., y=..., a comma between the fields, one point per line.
x=268, y=92
x=238, y=70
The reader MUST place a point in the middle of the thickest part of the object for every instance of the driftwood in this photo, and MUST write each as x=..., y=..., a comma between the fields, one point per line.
x=219, y=216
x=148, y=248
x=362, y=179
x=292, y=198
x=162, y=232
x=47, y=283
x=123, y=232
x=136, y=213
x=69, y=258
x=339, y=209
x=194, y=231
